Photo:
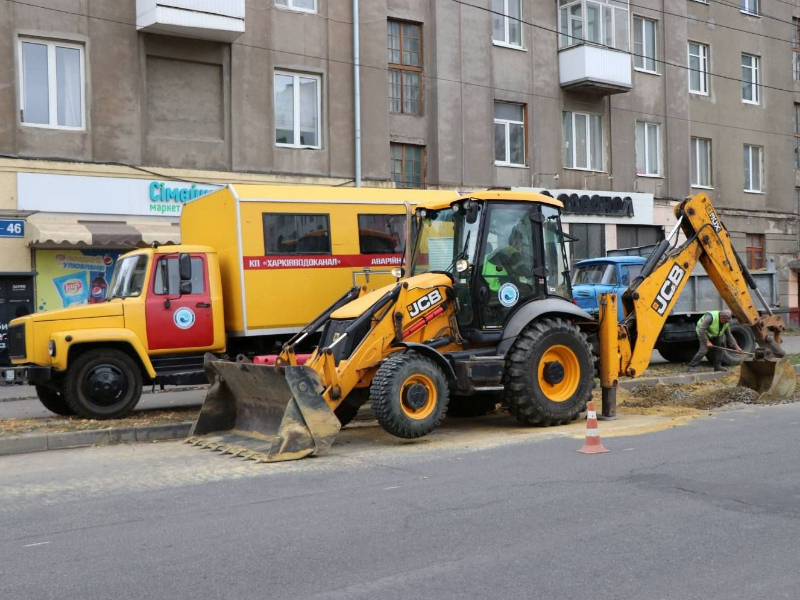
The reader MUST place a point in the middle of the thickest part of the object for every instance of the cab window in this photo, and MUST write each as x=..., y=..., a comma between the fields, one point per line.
x=381, y=234
x=167, y=273
x=296, y=233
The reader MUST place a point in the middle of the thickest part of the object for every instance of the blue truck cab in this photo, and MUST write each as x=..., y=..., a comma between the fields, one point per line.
x=608, y=275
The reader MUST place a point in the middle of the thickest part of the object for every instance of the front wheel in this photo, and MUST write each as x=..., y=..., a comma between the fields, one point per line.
x=549, y=373
x=103, y=384
x=53, y=401
x=409, y=395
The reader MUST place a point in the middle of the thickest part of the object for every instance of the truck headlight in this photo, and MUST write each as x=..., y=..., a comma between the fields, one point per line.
x=51, y=348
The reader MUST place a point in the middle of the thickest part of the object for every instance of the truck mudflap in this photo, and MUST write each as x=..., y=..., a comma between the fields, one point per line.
x=260, y=413
x=773, y=379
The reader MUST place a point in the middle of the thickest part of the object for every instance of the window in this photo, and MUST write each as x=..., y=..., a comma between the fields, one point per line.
x=405, y=67
x=408, y=164
x=647, y=149
x=296, y=233
x=506, y=23
x=381, y=234
x=752, y=168
x=750, y=82
x=796, y=124
x=297, y=110
x=701, y=162
x=598, y=21
x=644, y=44
x=755, y=250
x=300, y=5
x=636, y=236
x=51, y=84
x=698, y=68
x=167, y=270
x=509, y=134
x=589, y=240
x=795, y=48
x=749, y=7
x=583, y=141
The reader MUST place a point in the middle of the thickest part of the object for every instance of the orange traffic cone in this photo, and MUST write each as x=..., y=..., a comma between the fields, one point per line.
x=592, y=445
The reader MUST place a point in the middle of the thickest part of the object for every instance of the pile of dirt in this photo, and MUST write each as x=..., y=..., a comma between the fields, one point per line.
x=142, y=418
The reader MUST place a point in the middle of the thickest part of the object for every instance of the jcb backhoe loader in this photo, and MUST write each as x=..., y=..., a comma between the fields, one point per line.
x=484, y=312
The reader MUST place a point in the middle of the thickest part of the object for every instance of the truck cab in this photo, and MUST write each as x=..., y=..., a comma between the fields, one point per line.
x=163, y=311
x=610, y=275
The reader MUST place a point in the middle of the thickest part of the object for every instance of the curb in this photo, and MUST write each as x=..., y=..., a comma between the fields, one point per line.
x=693, y=378
x=95, y=437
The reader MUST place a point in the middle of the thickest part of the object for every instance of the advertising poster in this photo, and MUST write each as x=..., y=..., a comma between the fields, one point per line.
x=73, y=277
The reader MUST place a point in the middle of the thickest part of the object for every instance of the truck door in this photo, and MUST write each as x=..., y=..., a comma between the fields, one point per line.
x=175, y=320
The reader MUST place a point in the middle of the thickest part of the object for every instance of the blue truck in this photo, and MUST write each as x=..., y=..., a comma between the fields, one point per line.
x=678, y=339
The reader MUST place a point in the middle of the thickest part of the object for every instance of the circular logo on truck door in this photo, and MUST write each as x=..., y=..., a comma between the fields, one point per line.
x=508, y=294
x=184, y=318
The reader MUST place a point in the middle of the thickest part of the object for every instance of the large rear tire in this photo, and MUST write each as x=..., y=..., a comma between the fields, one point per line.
x=53, y=401
x=103, y=384
x=549, y=373
x=409, y=395
x=678, y=352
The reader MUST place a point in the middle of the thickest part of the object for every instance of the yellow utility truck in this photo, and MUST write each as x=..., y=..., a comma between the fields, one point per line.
x=255, y=264
x=483, y=313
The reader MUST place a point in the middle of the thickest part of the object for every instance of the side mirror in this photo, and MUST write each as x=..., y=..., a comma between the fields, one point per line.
x=185, y=269
x=472, y=213
x=185, y=287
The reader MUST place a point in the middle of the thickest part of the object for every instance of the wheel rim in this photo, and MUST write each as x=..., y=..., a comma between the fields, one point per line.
x=105, y=385
x=559, y=373
x=418, y=396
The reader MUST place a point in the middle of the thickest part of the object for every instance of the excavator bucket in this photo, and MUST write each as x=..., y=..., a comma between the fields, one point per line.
x=258, y=413
x=773, y=379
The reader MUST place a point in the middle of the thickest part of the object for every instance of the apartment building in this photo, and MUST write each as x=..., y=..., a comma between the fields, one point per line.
x=112, y=114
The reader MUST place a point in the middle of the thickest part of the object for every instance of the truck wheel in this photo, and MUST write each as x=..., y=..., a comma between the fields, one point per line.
x=747, y=342
x=103, y=384
x=549, y=373
x=409, y=395
x=473, y=406
x=53, y=401
x=677, y=352
x=348, y=409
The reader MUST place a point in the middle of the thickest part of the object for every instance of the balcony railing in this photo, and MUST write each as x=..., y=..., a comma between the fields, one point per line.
x=594, y=69
x=221, y=20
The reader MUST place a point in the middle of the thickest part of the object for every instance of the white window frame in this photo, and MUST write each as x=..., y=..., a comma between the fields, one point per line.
x=647, y=158
x=506, y=125
x=507, y=28
x=640, y=21
x=573, y=145
x=755, y=84
x=606, y=6
x=746, y=10
x=52, y=84
x=289, y=5
x=296, y=87
x=751, y=189
x=710, y=163
x=704, y=51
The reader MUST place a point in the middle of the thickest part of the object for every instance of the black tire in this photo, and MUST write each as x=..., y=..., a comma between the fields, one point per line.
x=473, y=406
x=348, y=409
x=747, y=341
x=103, y=384
x=53, y=401
x=530, y=397
x=402, y=382
x=678, y=352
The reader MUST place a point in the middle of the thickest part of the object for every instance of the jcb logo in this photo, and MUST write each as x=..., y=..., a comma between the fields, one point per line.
x=424, y=303
x=667, y=291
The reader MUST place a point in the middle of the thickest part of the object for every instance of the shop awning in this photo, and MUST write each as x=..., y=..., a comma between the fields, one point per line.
x=46, y=232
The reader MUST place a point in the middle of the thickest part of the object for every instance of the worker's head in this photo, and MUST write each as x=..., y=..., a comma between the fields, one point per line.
x=724, y=316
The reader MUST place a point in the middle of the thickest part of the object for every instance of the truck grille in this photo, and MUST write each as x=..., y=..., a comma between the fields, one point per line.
x=16, y=341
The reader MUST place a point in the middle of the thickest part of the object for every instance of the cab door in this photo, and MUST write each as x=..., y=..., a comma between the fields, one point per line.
x=174, y=320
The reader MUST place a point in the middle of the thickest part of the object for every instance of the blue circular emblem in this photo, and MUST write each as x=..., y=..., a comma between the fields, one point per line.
x=508, y=294
x=184, y=318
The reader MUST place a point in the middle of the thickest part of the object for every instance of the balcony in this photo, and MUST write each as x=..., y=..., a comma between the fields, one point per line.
x=594, y=69
x=220, y=20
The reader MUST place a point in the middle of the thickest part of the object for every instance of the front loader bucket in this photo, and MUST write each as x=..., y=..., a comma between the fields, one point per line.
x=255, y=412
x=773, y=379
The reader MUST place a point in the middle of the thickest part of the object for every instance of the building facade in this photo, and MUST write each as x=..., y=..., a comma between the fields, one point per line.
x=112, y=114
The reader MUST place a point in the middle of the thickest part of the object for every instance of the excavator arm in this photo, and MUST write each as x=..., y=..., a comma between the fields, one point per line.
x=626, y=347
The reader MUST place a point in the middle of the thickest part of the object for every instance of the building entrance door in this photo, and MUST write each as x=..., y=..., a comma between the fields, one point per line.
x=16, y=298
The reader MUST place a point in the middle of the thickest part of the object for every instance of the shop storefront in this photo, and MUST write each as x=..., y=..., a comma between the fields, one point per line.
x=77, y=226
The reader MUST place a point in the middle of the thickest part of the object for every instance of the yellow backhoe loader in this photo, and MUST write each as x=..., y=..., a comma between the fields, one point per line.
x=483, y=313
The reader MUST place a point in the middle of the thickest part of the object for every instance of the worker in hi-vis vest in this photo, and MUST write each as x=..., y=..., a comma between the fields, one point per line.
x=511, y=263
x=713, y=329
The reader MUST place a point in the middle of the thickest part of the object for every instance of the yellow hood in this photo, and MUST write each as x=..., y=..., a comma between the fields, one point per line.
x=105, y=309
x=357, y=307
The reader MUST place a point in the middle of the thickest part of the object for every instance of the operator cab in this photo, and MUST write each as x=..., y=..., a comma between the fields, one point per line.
x=501, y=254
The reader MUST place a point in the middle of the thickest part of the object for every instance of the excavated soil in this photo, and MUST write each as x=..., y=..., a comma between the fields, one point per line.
x=142, y=418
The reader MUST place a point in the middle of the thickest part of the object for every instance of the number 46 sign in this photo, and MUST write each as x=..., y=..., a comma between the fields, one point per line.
x=12, y=228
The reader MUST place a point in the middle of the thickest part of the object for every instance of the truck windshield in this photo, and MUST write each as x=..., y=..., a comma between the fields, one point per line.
x=443, y=237
x=128, y=279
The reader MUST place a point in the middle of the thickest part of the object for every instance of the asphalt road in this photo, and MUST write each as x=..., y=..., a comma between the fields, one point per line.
x=710, y=510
